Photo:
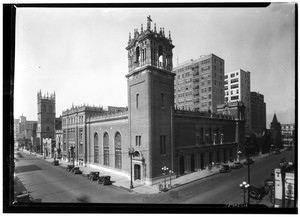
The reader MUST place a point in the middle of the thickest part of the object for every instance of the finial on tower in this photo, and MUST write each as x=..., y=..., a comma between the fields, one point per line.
x=142, y=28
x=170, y=35
x=129, y=36
x=155, y=28
x=149, y=22
x=163, y=32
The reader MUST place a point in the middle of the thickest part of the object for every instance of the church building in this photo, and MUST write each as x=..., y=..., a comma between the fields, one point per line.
x=151, y=133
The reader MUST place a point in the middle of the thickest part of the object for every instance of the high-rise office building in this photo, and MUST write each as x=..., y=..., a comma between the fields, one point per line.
x=237, y=88
x=199, y=83
x=258, y=112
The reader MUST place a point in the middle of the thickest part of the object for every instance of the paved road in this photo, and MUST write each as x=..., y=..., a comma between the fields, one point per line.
x=224, y=188
x=54, y=184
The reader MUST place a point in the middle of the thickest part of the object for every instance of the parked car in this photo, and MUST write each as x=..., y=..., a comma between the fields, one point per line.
x=257, y=192
x=250, y=162
x=94, y=176
x=55, y=163
x=76, y=170
x=69, y=167
x=236, y=165
x=277, y=151
x=289, y=148
x=225, y=169
x=23, y=198
x=104, y=180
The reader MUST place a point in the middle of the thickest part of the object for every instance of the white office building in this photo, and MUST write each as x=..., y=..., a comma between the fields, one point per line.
x=237, y=88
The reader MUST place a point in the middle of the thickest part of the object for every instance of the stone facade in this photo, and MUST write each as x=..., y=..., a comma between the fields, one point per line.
x=46, y=119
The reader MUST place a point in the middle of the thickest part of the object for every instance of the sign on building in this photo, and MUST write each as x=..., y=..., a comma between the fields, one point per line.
x=289, y=186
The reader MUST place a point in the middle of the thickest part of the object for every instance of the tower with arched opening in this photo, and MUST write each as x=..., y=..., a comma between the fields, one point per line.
x=46, y=118
x=150, y=100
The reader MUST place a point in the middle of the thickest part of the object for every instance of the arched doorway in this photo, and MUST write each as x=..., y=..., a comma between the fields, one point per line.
x=137, y=172
x=181, y=165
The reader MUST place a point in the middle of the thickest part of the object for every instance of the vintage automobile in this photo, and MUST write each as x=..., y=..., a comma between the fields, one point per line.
x=277, y=151
x=69, y=167
x=23, y=198
x=104, y=180
x=257, y=192
x=236, y=165
x=55, y=163
x=94, y=176
x=225, y=169
x=76, y=170
x=250, y=162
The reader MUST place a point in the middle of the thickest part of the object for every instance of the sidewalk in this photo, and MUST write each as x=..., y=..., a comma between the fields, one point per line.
x=124, y=182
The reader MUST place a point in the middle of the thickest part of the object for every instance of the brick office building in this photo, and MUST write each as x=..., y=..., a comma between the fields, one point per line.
x=157, y=133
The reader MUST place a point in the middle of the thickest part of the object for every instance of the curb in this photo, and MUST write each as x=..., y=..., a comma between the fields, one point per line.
x=179, y=185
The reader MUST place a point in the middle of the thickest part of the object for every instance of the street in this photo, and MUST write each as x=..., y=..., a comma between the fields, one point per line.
x=49, y=183
x=223, y=188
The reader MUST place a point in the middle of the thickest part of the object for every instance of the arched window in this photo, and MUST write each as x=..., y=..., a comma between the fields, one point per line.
x=160, y=55
x=44, y=108
x=118, y=151
x=96, y=148
x=106, y=149
x=50, y=108
x=137, y=54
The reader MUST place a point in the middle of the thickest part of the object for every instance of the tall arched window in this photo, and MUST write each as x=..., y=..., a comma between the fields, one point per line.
x=118, y=151
x=50, y=108
x=106, y=149
x=44, y=108
x=160, y=55
x=137, y=54
x=96, y=148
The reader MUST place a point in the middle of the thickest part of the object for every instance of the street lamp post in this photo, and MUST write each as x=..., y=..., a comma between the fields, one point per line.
x=164, y=169
x=170, y=173
x=245, y=186
x=131, y=153
x=272, y=148
x=238, y=154
x=282, y=165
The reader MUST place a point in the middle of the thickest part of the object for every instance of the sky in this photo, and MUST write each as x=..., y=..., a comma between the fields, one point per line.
x=79, y=53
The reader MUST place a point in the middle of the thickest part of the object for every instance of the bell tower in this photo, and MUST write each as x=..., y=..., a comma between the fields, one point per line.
x=150, y=101
x=46, y=118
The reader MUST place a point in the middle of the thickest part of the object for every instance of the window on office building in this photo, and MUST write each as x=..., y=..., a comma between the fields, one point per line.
x=234, y=97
